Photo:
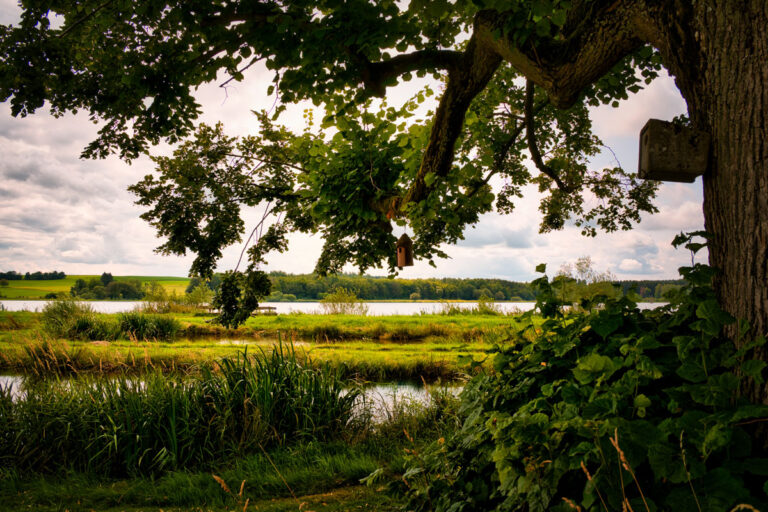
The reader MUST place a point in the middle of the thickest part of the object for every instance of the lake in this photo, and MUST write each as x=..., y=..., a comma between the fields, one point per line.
x=374, y=308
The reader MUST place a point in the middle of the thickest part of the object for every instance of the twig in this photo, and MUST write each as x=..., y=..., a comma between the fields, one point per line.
x=253, y=61
x=267, y=211
x=84, y=18
x=688, y=473
x=278, y=472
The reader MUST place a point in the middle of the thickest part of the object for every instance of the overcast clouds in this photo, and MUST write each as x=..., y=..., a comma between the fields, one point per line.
x=60, y=212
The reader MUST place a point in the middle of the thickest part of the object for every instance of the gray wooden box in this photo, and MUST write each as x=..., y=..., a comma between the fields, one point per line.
x=669, y=152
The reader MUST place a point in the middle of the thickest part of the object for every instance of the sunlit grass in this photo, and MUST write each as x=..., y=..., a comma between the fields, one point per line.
x=39, y=289
x=433, y=347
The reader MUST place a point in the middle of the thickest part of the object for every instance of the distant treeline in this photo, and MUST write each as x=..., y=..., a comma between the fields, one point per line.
x=105, y=287
x=309, y=287
x=12, y=275
x=288, y=287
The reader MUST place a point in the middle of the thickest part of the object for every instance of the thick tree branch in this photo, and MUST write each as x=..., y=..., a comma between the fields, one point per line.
x=465, y=81
x=598, y=35
x=377, y=75
x=531, y=137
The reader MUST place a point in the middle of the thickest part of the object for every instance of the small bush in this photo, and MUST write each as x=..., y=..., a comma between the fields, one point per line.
x=92, y=327
x=343, y=302
x=485, y=306
x=75, y=320
x=58, y=315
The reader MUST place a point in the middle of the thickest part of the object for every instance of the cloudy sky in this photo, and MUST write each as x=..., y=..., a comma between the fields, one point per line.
x=60, y=212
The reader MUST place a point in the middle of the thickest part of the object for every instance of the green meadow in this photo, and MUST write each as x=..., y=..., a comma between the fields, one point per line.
x=24, y=289
x=399, y=347
x=298, y=455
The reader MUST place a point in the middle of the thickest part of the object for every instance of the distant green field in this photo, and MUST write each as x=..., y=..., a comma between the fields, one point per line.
x=39, y=289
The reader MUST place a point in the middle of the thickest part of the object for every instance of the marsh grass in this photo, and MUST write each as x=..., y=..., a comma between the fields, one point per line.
x=144, y=326
x=130, y=426
x=72, y=320
x=377, y=361
x=308, y=467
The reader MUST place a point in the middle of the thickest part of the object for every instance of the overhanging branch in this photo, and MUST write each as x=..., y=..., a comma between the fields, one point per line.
x=466, y=80
x=531, y=138
x=377, y=75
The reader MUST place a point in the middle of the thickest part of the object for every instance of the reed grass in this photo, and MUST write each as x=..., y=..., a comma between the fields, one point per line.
x=437, y=359
x=276, y=474
x=144, y=326
x=72, y=320
x=129, y=426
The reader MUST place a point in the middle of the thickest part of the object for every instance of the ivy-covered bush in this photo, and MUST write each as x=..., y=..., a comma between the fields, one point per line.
x=612, y=409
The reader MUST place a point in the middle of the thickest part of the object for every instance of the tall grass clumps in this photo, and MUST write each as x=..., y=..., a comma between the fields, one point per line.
x=69, y=319
x=75, y=320
x=130, y=426
x=148, y=327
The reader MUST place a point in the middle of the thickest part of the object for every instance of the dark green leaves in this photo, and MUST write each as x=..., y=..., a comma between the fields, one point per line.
x=584, y=404
x=238, y=295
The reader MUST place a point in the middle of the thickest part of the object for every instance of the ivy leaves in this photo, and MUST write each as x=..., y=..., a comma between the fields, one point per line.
x=595, y=407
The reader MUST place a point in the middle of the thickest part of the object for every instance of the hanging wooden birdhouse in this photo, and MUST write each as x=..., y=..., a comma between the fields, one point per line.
x=669, y=152
x=404, y=252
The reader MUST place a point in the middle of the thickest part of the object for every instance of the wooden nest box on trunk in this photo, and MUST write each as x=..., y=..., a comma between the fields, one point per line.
x=670, y=152
x=404, y=252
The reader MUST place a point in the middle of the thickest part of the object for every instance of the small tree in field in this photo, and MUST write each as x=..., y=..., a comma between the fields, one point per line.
x=106, y=278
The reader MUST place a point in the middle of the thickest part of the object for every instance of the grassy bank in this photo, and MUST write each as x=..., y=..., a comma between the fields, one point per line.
x=370, y=361
x=403, y=328
x=432, y=347
x=272, y=459
x=464, y=327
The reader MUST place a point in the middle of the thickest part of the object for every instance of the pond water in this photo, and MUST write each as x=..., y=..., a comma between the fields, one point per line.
x=385, y=400
x=374, y=308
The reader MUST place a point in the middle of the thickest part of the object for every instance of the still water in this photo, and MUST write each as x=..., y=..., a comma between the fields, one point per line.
x=374, y=308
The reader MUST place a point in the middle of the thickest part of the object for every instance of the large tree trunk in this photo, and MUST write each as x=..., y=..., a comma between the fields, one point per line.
x=719, y=55
x=735, y=97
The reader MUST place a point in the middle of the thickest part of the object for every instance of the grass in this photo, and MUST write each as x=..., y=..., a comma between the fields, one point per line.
x=416, y=347
x=321, y=472
x=329, y=328
x=38, y=289
x=363, y=360
x=149, y=425
x=311, y=474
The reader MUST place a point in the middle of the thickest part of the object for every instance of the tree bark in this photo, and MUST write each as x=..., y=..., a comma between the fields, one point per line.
x=718, y=52
x=733, y=106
